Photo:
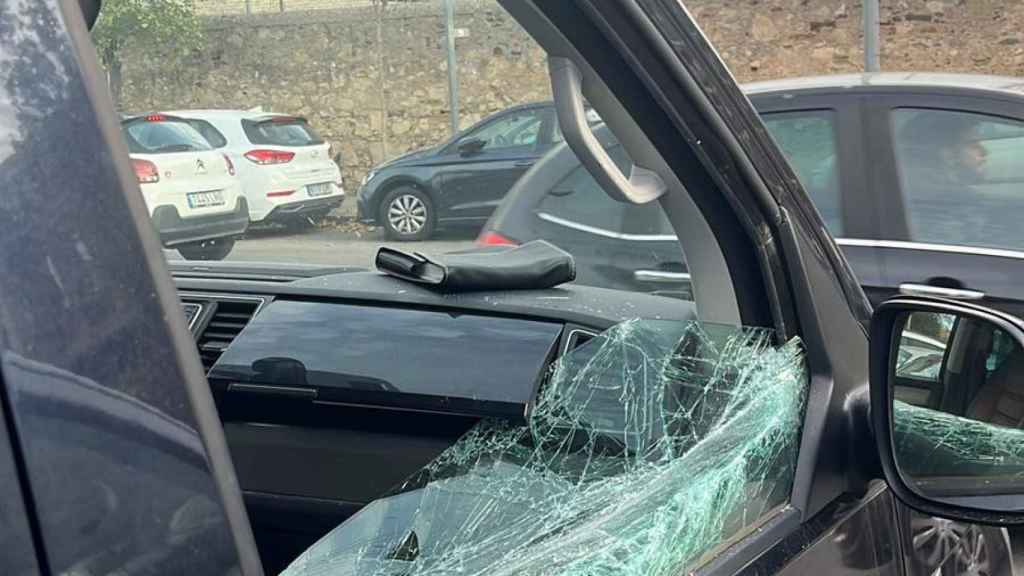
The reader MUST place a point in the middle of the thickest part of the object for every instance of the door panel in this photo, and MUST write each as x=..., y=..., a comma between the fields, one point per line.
x=471, y=188
x=997, y=275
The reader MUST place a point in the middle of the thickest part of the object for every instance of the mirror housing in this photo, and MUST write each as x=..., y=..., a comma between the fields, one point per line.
x=471, y=146
x=939, y=453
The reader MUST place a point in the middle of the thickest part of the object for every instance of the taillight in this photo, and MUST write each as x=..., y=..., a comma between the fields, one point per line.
x=495, y=239
x=145, y=171
x=156, y=118
x=231, y=166
x=280, y=193
x=264, y=157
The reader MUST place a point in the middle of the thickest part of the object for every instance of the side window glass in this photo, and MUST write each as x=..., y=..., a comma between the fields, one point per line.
x=637, y=437
x=921, y=351
x=514, y=130
x=808, y=139
x=212, y=135
x=579, y=199
x=950, y=161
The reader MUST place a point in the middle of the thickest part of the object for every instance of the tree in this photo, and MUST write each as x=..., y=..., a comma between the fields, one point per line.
x=167, y=27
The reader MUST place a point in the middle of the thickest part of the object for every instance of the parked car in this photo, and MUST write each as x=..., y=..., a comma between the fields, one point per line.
x=288, y=173
x=459, y=182
x=567, y=430
x=861, y=147
x=192, y=192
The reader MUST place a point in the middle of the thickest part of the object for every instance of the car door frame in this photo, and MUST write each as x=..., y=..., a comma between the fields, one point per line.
x=675, y=71
x=82, y=372
x=893, y=237
x=859, y=207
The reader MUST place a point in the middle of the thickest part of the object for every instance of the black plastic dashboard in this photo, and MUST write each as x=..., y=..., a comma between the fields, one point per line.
x=334, y=386
x=365, y=339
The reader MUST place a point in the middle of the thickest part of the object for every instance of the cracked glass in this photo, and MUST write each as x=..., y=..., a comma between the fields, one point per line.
x=648, y=448
x=958, y=426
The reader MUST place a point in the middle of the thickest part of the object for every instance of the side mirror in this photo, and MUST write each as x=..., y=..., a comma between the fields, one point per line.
x=947, y=406
x=471, y=146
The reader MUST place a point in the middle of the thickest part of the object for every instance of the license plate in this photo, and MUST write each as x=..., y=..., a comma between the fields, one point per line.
x=205, y=199
x=321, y=189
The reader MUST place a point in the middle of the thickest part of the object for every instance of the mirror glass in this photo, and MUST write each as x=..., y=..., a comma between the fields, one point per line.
x=958, y=410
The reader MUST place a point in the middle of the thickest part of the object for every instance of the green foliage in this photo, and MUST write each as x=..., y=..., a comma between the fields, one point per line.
x=164, y=25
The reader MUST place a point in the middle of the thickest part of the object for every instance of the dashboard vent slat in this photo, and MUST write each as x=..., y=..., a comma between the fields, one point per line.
x=227, y=321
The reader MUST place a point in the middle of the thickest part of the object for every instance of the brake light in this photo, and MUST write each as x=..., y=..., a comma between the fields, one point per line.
x=231, y=166
x=156, y=118
x=280, y=193
x=264, y=157
x=145, y=171
x=495, y=239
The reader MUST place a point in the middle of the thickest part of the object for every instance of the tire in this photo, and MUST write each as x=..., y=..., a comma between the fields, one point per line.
x=216, y=249
x=407, y=214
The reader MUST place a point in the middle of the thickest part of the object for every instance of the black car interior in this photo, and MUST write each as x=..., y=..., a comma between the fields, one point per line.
x=321, y=411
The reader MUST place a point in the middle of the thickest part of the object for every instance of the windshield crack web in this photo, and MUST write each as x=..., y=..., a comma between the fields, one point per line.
x=648, y=446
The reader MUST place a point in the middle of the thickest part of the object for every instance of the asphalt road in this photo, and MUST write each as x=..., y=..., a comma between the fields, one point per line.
x=331, y=246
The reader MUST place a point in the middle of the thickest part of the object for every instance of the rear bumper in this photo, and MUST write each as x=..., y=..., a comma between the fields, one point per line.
x=175, y=230
x=312, y=205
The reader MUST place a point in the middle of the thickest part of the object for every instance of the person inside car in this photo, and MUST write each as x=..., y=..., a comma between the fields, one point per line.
x=942, y=160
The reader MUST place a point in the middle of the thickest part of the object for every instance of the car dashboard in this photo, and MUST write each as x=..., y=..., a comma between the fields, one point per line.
x=334, y=388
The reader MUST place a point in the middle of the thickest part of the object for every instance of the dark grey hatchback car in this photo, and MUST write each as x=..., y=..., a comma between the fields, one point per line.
x=917, y=176
x=772, y=426
x=461, y=181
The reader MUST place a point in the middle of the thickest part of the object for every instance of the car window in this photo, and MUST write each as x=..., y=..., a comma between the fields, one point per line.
x=212, y=135
x=961, y=177
x=162, y=136
x=510, y=131
x=808, y=139
x=611, y=475
x=372, y=83
x=922, y=350
x=281, y=131
x=578, y=198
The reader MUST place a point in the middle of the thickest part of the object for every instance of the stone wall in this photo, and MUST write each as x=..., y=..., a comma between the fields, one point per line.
x=373, y=78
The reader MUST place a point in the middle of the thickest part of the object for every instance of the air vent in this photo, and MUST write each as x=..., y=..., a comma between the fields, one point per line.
x=228, y=319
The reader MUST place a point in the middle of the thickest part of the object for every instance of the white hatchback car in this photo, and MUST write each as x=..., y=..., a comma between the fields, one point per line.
x=193, y=194
x=287, y=172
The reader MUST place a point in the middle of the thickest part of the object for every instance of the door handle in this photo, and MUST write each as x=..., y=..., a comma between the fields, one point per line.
x=523, y=164
x=660, y=276
x=940, y=292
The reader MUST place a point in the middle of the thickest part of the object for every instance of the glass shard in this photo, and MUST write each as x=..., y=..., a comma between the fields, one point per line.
x=647, y=447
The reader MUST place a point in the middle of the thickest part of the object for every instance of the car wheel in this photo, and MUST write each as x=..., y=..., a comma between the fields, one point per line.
x=216, y=249
x=982, y=552
x=407, y=214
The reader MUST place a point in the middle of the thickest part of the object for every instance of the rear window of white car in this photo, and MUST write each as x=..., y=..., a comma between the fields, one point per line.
x=281, y=131
x=212, y=135
x=163, y=136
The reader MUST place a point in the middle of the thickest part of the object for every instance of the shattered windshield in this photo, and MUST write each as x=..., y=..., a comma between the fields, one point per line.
x=648, y=447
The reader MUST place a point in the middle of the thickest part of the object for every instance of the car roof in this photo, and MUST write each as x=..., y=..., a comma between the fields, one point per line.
x=892, y=81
